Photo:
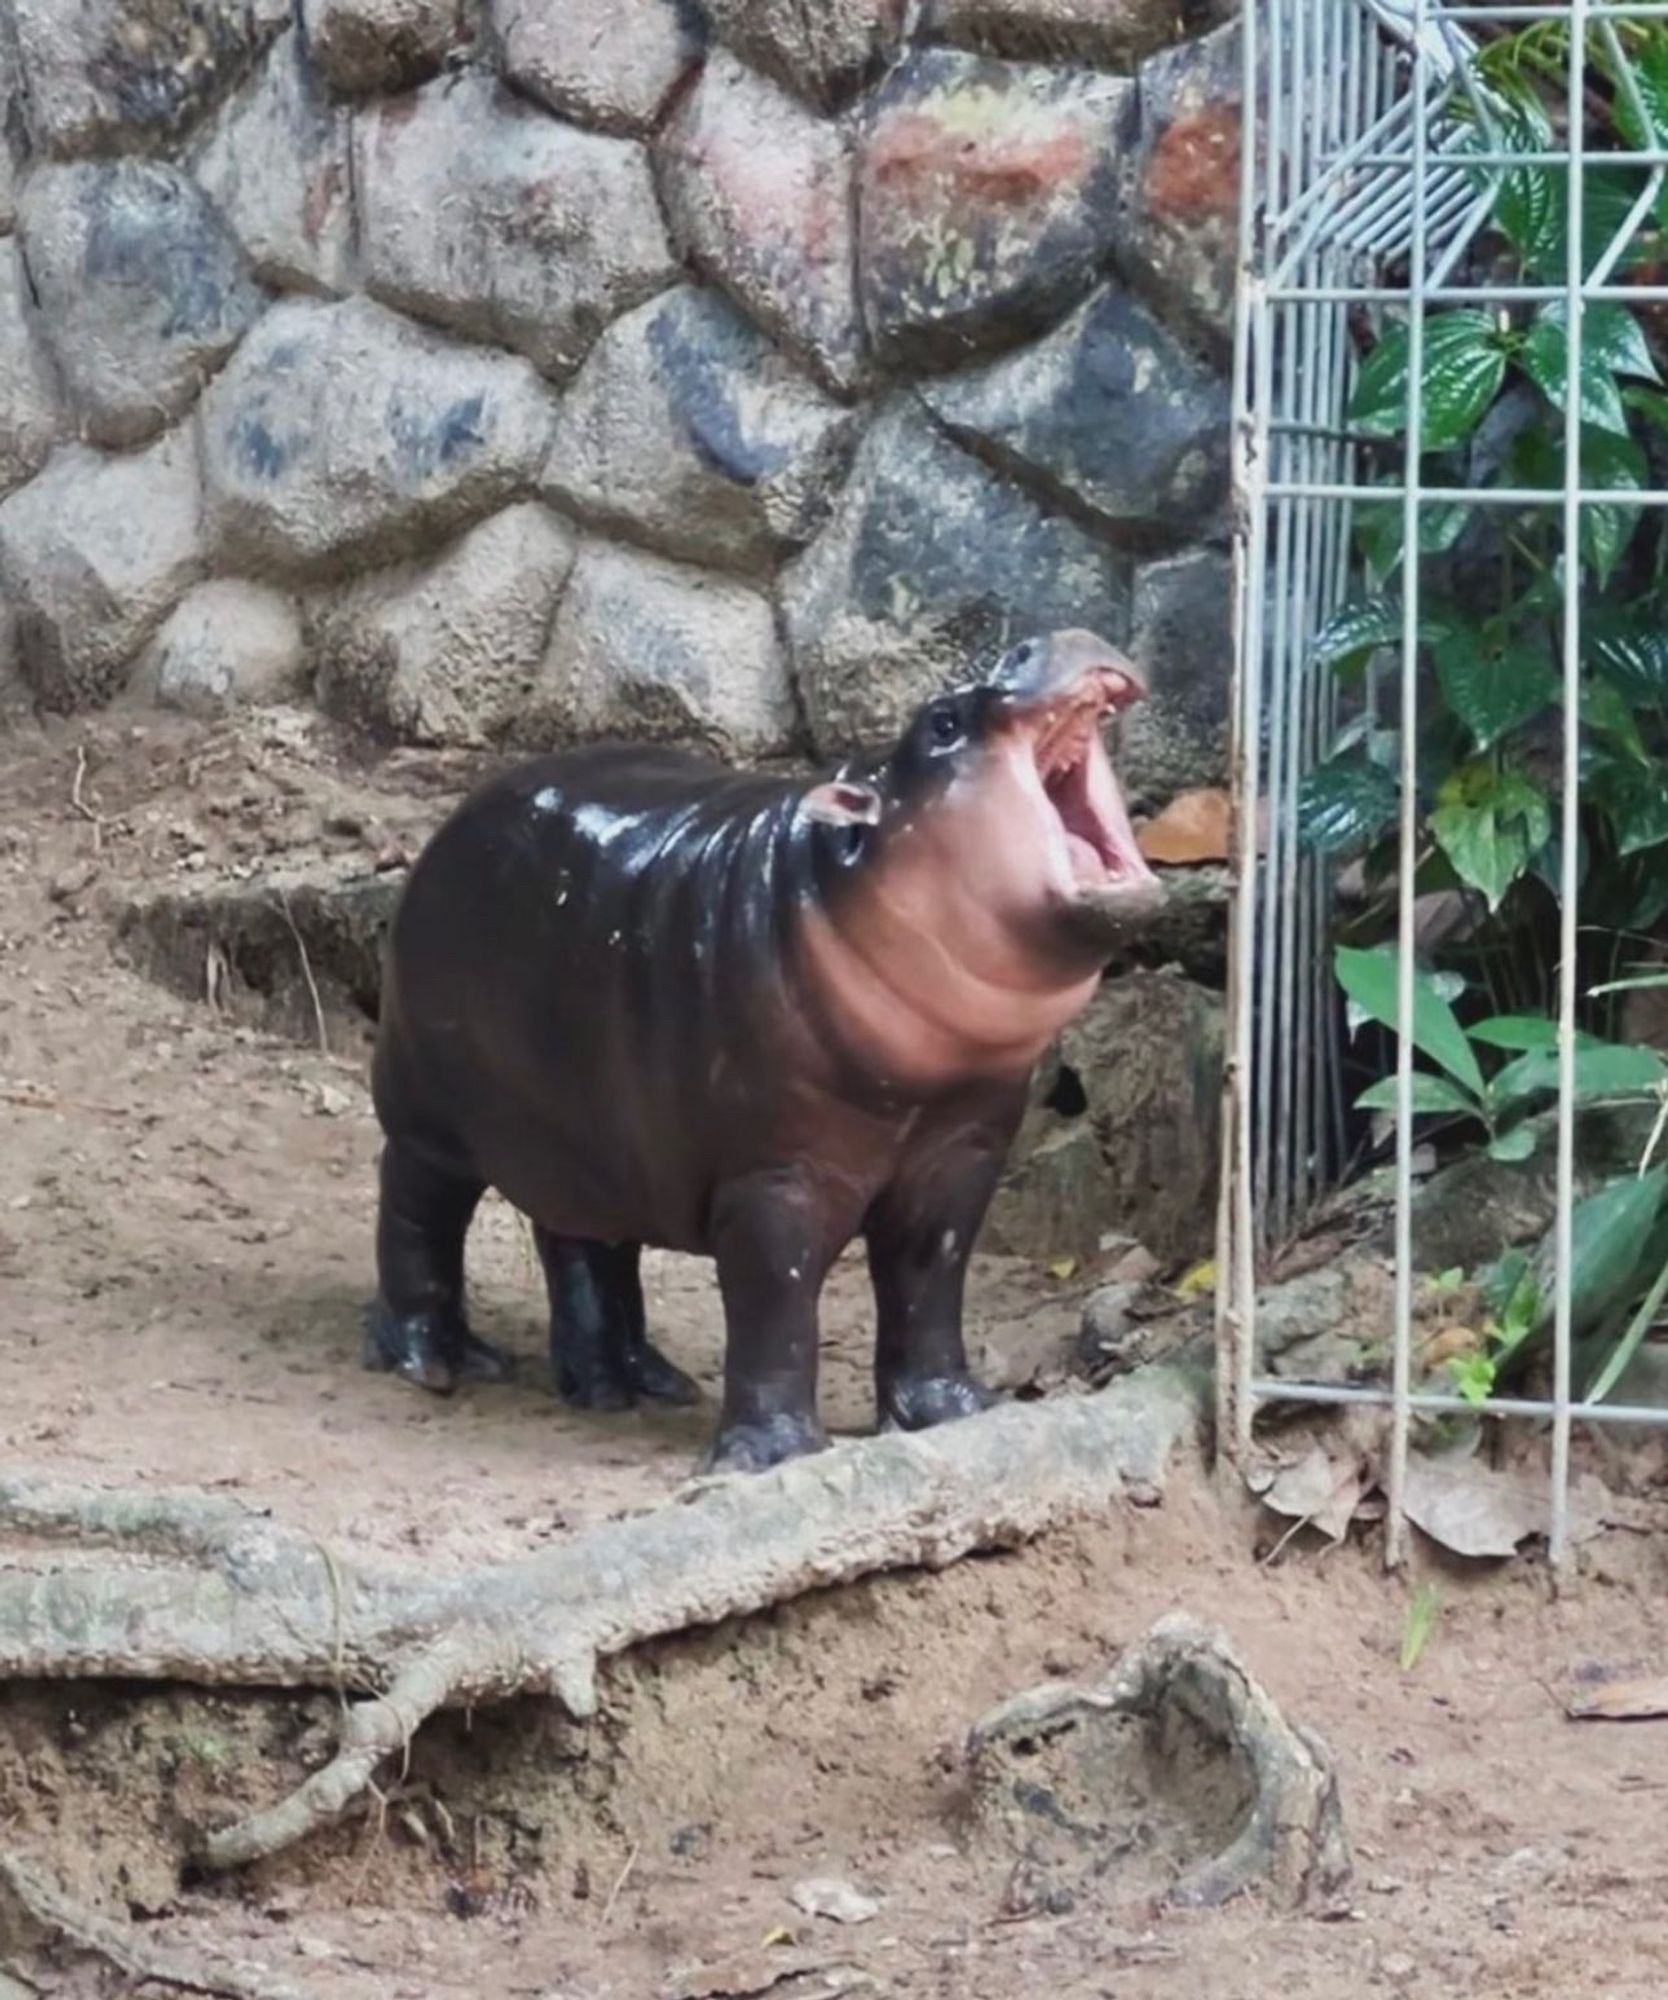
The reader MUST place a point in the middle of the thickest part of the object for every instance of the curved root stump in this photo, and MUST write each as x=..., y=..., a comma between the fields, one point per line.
x=204, y=1591
x=30, y=1905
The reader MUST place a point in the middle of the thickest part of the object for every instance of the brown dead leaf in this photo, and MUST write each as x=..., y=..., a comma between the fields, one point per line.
x=1480, y=1510
x=1195, y=827
x=1636, y=1700
x=1319, y=1490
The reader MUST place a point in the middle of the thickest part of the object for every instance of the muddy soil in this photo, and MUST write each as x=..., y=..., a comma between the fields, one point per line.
x=185, y=1214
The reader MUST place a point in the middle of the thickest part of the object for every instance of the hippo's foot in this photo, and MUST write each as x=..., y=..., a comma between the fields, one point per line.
x=755, y=1447
x=635, y=1373
x=434, y=1350
x=916, y=1403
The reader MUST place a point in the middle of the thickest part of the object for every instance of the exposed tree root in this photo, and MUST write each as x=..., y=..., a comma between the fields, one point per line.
x=191, y=1587
x=32, y=1910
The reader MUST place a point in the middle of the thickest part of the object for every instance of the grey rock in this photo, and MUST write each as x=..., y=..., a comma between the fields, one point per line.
x=1057, y=1196
x=657, y=650
x=280, y=168
x=488, y=217
x=1113, y=34
x=143, y=290
x=29, y=411
x=610, y=64
x=341, y=434
x=1180, y=234
x=382, y=45
x=687, y=429
x=758, y=190
x=1109, y=409
x=1148, y=1055
x=94, y=553
x=1181, y=633
x=823, y=52
x=929, y=561
x=448, y=652
x=135, y=72
x=17, y=704
x=8, y=174
x=987, y=199
x=225, y=644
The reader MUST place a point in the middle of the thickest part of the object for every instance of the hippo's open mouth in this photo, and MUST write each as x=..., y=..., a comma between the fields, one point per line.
x=1062, y=764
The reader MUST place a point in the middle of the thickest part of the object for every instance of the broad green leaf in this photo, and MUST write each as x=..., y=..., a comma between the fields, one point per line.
x=1643, y=1319
x=1608, y=1240
x=1355, y=631
x=1605, y=1070
x=1607, y=710
x=1631, y=795
x=1646, y=61
x=1524, y=1031
x=1430, y=1093
x=1378, y=532
x=1464, y=363
x=1611, y=345
x=1651, y=404
x=1493, y=684
x=1511, y=1147
x=1369, y=978
x=1632, y=649
x=1613, y=464
x=1346, y=802
x=1490, y=822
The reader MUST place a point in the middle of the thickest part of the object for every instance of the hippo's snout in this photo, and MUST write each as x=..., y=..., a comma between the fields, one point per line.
x=1043, y=670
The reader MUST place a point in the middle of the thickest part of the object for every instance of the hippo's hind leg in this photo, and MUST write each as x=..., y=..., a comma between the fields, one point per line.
x=920, y=1236
x=600, y=1353
x=416, y=1325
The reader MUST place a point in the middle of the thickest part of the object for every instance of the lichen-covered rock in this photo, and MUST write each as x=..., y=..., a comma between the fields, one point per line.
x=226, y=643
x=929, y=562
x=652, y=649
x=759, y=193
x=448, y=652
x=1108, y=408
x=987, y=199
x=142, y=289
x=369, y=45
x=29, y=414
x=1114, y=34
x=488, y=217
x=1182, y=229
x=340, y=433
x=689, y=430
x=8, y=171
x=1181, y=632
x=610, y=64
x=94, y=553
x=279, y=167
x=822, y=52
x=135, y=72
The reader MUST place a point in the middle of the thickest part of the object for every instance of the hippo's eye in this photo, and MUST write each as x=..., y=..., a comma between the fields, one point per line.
x=946, y=727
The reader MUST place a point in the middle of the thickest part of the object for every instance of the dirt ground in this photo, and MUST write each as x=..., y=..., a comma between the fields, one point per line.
x=185, y=1217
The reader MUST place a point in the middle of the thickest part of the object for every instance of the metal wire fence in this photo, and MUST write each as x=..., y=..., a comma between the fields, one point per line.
x=1375, y=163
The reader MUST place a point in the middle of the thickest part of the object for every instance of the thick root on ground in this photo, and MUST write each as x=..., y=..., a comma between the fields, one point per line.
x=195, y=1588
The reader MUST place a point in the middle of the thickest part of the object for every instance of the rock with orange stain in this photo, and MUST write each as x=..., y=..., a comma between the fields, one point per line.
x=1183, y=192
x=987, y=199
x=758, y=191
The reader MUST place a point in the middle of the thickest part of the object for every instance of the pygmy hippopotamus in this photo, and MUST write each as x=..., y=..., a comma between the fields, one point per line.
x=654, y=1001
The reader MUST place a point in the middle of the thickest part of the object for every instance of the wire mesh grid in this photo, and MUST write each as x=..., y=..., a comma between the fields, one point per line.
x=1374, y=162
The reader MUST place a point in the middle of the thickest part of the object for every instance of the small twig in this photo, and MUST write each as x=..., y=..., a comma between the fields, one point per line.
x=306, y=972
x=620, y=1881
x=95, y=819
x=34, y=1100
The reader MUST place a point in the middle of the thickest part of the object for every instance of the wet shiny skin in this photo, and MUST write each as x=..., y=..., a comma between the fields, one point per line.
x=655, y=1002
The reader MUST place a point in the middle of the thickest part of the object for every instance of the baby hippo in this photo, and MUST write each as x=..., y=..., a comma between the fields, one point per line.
x=654, y=1001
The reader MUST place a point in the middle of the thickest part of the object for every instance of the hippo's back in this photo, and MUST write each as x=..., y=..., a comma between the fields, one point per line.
x=582, y=967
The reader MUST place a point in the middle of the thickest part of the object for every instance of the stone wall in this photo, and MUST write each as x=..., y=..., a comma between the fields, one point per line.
x=522, y=370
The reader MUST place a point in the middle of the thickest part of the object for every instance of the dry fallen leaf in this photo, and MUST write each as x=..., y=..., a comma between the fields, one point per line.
x=1619, y=1701
x=1197, y=1280
x=1195, y=827
x=1476, y=1509
x=1320, y=1489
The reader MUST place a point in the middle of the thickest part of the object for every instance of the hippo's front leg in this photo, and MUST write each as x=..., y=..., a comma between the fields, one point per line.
x=774, y=1236
x=920, y=1235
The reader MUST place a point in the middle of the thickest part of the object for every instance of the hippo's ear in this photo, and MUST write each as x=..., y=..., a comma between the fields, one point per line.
x=843, y=802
